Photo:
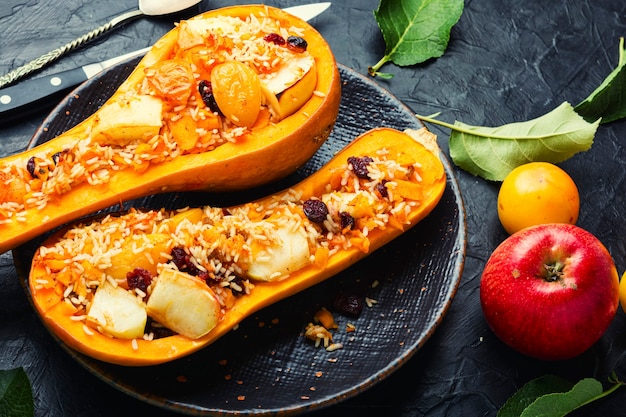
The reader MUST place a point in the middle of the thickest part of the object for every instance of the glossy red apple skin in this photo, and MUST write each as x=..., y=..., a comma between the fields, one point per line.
x=550, y=320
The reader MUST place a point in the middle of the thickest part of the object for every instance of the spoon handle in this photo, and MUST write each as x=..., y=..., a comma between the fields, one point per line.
x=51, y=56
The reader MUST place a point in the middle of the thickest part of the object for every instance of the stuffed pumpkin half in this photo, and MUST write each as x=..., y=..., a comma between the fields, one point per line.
x=228, y=100
x=147, y=287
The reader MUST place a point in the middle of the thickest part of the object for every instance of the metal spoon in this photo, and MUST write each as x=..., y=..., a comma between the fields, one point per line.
x=146, y=8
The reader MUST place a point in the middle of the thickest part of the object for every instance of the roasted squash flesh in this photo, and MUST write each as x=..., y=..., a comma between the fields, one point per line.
x=200, y=271
x=203, y=110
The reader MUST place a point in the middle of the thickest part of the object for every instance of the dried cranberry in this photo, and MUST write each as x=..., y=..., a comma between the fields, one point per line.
x=346, y=220
x=206, y=92
x=359, y=166
x=213, y=278
x=348, y=304
x=56, y=157
x=203, y=275
x=158, y=330
x=274, y=38
x=296, y=44
x=139, y=278
x=33, y=168
x=239, y=281
x=315, y=210
x=180, y=258
x=382, y=190
x=183, y=262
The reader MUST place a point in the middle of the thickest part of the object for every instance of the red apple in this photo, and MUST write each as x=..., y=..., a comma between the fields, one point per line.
x=550, y=291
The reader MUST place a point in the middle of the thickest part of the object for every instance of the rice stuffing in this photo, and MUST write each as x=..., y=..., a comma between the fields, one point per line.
x=231, y=250
x=174, y=83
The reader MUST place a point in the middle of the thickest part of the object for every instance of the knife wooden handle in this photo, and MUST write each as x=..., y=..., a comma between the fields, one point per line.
x=36, y=94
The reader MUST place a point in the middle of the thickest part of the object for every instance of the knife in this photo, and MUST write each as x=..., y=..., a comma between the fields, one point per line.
x=29, y=96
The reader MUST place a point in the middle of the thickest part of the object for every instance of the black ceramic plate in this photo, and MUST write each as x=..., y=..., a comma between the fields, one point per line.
x=266, y=366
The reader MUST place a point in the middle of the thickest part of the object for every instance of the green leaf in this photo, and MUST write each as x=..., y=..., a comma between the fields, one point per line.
x=16, y=397
x=608, y=101
x=552, y=396
x=559, y=404
x=534, y=389
x=415, y=30
x=493, y=152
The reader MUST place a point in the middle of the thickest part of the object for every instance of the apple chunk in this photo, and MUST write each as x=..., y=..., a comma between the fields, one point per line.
x=299, y=93
x=183, y=304
x=123, y=121
x=289, y=74
x=287, y=254
x=117, y=312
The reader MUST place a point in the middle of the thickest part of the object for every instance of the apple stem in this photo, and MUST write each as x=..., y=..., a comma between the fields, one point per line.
x=553, y=271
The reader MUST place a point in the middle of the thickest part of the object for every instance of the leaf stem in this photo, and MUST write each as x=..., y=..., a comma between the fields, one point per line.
x=489, y=134
x=373, y=70
x=613, y=379
x=431, y=119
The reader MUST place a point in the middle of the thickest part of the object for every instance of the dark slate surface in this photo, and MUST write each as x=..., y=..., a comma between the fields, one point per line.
x=507, y=61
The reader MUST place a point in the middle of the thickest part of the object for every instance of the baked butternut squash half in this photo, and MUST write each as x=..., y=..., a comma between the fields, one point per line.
x=230, y=99
x=147, y=287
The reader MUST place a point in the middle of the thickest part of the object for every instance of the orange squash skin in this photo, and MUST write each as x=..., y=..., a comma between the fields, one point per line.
x=266, y=154
x=56, y=313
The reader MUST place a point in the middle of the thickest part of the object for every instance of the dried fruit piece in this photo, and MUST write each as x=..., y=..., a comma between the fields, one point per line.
x=349, y=304
x=206, y=92
x=139, y=278
x=184, y=262
x=274, y=38
x=37, y=168
x=346, y=220
x=172, y=80
x=315, y=210
x=237, y=92
x=382, y=189
x=359, y=166
x=296, y=44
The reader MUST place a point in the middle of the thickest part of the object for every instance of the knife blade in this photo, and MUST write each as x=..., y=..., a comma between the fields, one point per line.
x=36, y=94
x=29, y=96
